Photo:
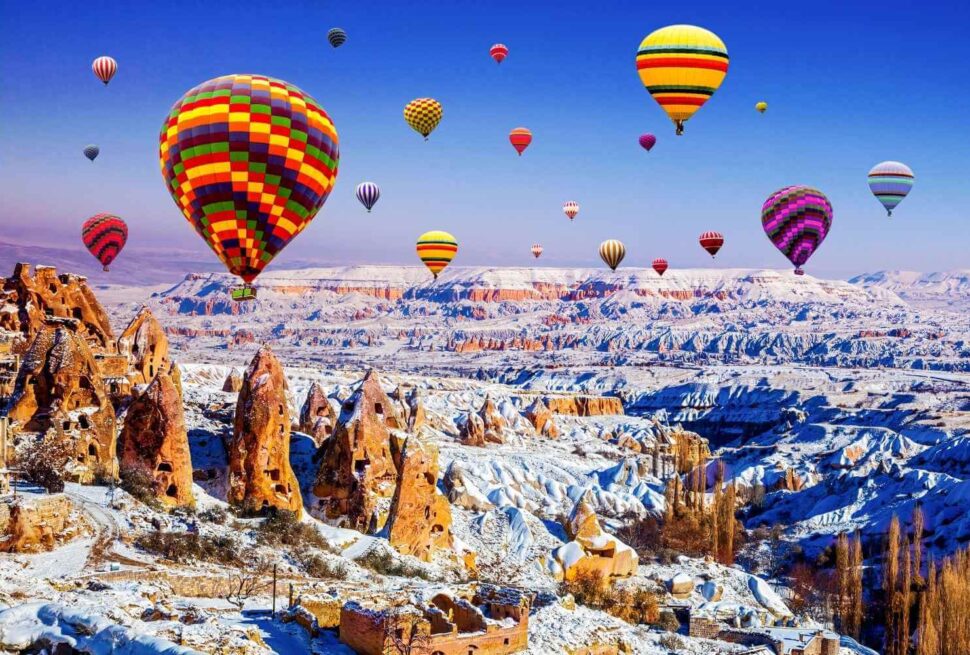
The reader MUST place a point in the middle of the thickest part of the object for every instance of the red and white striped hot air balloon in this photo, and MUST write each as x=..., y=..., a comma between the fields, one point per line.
x=104, y=68
x=660, y=265
x=499, y=52
x=711, y=242
x=536, y=250
x=570, y=209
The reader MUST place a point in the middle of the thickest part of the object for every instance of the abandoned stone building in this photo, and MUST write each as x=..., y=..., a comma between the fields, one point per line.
x=785, y=641
x=490, y=621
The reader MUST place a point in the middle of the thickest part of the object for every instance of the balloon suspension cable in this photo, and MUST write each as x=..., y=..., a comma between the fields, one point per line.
x=889, y=213
x=680, y=127
x=104, y=268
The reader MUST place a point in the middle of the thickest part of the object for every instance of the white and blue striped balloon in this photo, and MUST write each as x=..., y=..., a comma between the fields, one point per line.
x=890, y=182
x=368, y=193
x=91, y=151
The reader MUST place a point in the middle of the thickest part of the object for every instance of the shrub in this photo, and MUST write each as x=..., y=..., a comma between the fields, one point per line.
x=636, y=605
x=139, y=483
x=218, y=515
x=668, y=621
x=43, y=462
x=282, y=528
x=189, y=546
x=671, y=642
x=383, y=562
x=320, y=567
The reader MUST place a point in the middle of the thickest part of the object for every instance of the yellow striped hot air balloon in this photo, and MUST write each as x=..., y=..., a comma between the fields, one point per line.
x=436, y=249
x=682, y=66
x=612, y=253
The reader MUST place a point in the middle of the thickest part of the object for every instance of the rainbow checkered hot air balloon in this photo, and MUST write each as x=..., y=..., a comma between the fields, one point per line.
x=104, y=235
x=797, y=219
x=249, y=160
x=890, y=182
x=682, y=66
x=436, y=249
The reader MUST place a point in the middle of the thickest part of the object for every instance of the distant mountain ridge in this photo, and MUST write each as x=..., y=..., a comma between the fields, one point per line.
x=943, y=290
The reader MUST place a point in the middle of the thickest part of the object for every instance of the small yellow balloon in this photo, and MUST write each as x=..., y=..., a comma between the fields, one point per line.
x=436, y=249
x=761, y=107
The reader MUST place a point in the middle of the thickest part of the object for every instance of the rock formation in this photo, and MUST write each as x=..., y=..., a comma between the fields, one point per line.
x=591, y=549
x=154, y=442
x=412, y=407
x=31, y=525
x=59, y=389
x=462, y=491
x=29, y=300
x=471, y=429
x=317, y=417
x=584, y=405
x=493, y=421
x=359, y=463
x=260, y=475
x=234, y=382
x=540, y=416
x=145, y=345
x=419, y=522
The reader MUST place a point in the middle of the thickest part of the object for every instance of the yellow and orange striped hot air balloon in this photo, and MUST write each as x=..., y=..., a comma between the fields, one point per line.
x=436, y=249
x=682, y=66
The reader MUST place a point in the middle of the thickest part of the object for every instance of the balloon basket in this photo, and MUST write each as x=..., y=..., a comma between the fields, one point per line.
x=799, y=271
x=240, y=294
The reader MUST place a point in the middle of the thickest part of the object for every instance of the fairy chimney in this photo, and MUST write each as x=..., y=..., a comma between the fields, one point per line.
x=359, y=463
x=154, y=442
x=540, y=416
x=145, y=345
x=493, y=421
x=260, y=476
x=233, y=382
x=419, y=522
x=471, y=430
x=317, y=417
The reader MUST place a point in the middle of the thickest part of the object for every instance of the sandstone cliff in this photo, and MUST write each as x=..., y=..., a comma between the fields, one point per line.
x=584, y=405
x=155, y=444
x=419, y=522
x=260, y=475
x=540, y=416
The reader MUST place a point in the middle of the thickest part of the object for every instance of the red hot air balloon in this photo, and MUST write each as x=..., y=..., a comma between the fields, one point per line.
x=536, y=250
x=660, y=265
x=647, y=141
x=104, y=68
x=520, y=138
x=711, y=242
x=499, y=52
x=104, y=235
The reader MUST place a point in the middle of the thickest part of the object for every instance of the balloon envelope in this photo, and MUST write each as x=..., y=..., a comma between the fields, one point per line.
x=682, y=66
x=423, y=115
x=660, y=265
x=104, y=235
x=711, y=242
x=368, y=194
x=337, y=37
x=647, y=141
x=436, y=249
x=536, y=250
x=612, y=253
x=91, y=152
x=499, y=52
x=520, y=138
x=570, y=208
x=761, y=107
x=249, y=160
x=890, y=182
x=797, y=219
x=104, y=68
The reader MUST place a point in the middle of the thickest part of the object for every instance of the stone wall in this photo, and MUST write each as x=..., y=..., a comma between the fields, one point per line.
x=32, y=524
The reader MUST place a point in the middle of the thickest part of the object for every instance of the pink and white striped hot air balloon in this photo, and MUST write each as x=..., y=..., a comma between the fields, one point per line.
x=536, y=250
x=104, y=68
x=570, y=209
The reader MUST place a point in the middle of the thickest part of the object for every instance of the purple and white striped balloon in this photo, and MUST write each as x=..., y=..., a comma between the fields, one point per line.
x=368, y=193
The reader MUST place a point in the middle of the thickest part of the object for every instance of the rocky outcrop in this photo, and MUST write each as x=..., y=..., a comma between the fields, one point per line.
x=540, y=416
x=412, y=408
x=145, y=345
x=689, y=449
x=359, y=463
x=419, y=522
x=317, y=417
x=59, y=390
x=233, y=382
x=30, y=299
x=471, y=429
x=584, y=405
x=591, y=549
x=31, y=525
x=462, y=490
x=493, y=421
x=260, y=475
x=154, y=444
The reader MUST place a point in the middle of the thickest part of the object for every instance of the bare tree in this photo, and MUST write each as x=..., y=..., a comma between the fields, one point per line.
x=407, y=632
x=248, y=580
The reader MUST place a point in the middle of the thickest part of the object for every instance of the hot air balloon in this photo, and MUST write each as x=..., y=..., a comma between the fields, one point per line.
x=647, y=141
x=711, y=242
x=660, y=265
x=612, y=253
x=499, y=52
x=797, y=220
x=570, y=208
x=890, y=182
x=682, y=66
x=104, y=235
x=536, y=250
x=436, y=249
x=368, y=194
x=761, y=107
x=249, y=160
x=91, y=151
x=423, y=115
x=104, y=68
x=337, y=37
x=520, y=138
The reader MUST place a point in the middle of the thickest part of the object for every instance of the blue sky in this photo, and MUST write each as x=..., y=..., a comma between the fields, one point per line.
x=848, y=84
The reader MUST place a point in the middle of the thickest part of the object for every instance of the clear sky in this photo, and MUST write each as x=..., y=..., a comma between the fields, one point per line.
x=848, y=83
